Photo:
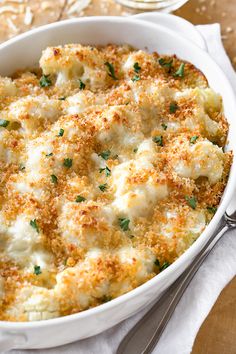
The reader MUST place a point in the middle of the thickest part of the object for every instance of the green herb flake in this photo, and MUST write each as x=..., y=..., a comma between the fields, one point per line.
x=62, y=98
x=164, y=126
x=164, y=265
x=111, y=70
x=34, y=225
x=105, y=154
x=54, y=179
x=79, y=199
x=157, y=263
x=81, y=85
x=61, y=132
x=158, y=139
x=37, y=270
x=180, y=71
x=106, y=298
x=67, y=162
x=106, y=170
x=193, y=139
x=45, y=81
x=212, y=210
x=135, y=78
x=173, y=107
x=124, y=224
x=21, y=167
x=135, y=150
x=192, y=202
x=4, y=123
x=50, y=154
x=137, y=68
x=103, y=187
x=166, y=64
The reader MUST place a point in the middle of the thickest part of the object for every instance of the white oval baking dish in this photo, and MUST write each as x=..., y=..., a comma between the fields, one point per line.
x=24, y=51
x=176, y=24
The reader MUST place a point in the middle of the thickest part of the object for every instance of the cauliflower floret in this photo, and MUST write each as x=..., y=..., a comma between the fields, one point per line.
x=34, y=304
x=75, y=62
x=136, y=266
x=203, y=159
x=25, y=244
x=31, y=113
x=80, y=286
x=86, y=224
x=137, y=187
x=7, y=87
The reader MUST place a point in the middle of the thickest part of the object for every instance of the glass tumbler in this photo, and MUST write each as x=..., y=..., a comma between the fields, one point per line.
x=160, y=5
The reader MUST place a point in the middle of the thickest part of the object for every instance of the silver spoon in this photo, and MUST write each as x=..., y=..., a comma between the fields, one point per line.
x=144, y=336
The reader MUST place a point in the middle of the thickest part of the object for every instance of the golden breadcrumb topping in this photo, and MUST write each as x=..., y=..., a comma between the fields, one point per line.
x=112, y=164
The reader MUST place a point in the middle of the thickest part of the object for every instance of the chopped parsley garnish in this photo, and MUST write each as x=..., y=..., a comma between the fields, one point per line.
x=4, y=123
x=105, y=154
x=67, y=163
x=54, y=179
x=135, y=78
x=45, y=81
x=164, y=126
x=111, y=70
x=158, y=139
x=81, y=85
x=157, y=263
x=106, y=298
x=22, y=167
x=103, y=187
x=192, y=202
x=79, y=199
x=37, y=270
x=137, y=68
x=50, y=154
x=61, y=132
x=164, y=265
x=165, y=63
x=193, y=139
x=62, y=98
x=107, y=171
x=124, y=224
x=180, y=71
x=173, y=107
x=34, y=225
x=212, y=210
x=135, y=150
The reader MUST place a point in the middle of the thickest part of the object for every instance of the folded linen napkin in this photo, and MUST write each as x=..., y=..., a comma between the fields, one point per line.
x=179, y=335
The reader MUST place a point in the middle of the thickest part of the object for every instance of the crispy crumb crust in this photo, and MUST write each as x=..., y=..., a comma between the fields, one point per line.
x=69, y=230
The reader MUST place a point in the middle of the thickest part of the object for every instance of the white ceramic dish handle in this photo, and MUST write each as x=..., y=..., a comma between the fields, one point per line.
x=176, y=24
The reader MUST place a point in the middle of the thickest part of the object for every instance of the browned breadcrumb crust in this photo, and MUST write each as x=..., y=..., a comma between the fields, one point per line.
x=124, y=97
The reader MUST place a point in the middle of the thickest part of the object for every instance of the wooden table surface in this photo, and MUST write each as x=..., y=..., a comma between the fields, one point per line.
x=218, y=333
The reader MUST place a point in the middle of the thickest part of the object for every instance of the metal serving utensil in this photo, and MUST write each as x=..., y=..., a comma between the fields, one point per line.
x=144, y=336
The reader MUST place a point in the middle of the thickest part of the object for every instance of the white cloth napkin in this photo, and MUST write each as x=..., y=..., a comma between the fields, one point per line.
x=218, y=269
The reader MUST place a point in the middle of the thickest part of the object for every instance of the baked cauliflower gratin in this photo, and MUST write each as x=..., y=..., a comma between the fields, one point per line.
x=112, y=164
